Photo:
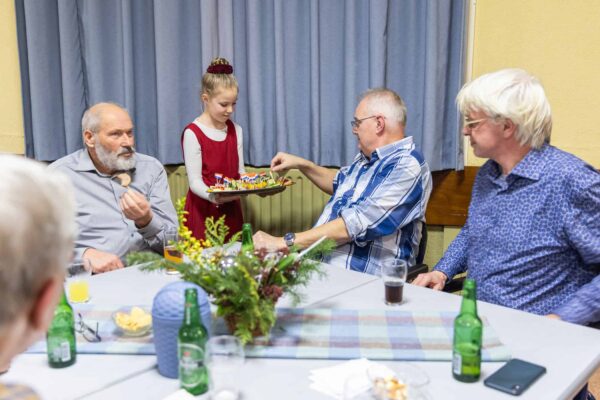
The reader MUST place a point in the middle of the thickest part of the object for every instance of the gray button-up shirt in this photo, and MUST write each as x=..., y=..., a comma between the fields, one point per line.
x=101, y=222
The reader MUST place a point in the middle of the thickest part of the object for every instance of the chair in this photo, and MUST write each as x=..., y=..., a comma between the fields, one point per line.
x=419, y=267
x=455, y=285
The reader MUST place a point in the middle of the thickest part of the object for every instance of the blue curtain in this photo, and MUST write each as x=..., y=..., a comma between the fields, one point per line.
x=301, y=65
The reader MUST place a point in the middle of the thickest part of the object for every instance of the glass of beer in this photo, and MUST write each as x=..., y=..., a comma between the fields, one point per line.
x=393, y=274
x=78, y=285
x=171, y=253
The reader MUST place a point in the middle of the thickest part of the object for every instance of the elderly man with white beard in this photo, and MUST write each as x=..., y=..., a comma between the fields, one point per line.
x=123, y=201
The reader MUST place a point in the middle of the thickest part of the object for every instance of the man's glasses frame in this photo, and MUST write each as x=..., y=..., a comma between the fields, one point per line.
x=473, y=123
x=90, y=334
x=356, y=122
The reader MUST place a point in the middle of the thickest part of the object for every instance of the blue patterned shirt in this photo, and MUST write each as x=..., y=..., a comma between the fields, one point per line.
x=382, y=202
x=532, y=238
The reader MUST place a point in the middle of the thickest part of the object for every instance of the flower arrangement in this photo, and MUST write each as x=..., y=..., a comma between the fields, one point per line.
x=245, y=286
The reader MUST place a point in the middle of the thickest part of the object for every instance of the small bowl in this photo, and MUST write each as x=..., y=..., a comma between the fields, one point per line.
x=403, y=381
x=130, y=321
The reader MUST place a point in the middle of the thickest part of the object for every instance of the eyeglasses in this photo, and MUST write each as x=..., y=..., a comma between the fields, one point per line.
x=472, y=124
x=88, y=333
x=356, y=122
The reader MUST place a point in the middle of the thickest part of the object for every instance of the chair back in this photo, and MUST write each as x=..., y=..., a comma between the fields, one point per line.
x=422, y=244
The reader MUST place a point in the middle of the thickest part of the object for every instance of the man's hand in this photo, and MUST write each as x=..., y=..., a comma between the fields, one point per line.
x=282, y=162
x=136, y=208
x=263, y=240
x=434, y=279
x=553, y=316
x=320, y=176
x=102, y=261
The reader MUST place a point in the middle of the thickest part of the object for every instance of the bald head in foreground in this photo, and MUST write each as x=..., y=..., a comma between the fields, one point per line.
x=37, y=229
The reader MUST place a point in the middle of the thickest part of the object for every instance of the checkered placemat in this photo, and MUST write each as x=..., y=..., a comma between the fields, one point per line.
x=112, y=341
x=373, y=334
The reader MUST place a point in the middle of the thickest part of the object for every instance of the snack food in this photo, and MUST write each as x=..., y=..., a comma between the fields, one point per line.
x=249, y=181
x=136, y=321
x=389, y=388
x=124, y=179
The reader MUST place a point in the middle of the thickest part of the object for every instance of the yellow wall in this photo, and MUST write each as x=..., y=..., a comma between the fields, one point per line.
x=558, y=41
x=11, y=111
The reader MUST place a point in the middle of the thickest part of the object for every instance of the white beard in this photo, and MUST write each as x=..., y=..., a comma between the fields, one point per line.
x=112, y=161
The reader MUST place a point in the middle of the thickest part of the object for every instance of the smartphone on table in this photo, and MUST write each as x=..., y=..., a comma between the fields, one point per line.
x=515, y=376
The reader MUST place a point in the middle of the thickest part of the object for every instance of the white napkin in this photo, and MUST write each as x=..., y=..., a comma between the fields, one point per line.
x=181, y=394
x=331, y=380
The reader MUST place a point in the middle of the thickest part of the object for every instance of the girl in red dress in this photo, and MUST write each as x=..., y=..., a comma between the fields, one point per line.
x=212, y=144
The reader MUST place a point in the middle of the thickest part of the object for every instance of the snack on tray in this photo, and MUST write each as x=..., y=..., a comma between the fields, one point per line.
x=248, y=181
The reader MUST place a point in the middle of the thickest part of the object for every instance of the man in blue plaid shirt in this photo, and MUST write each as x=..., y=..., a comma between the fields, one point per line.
x=377, y=208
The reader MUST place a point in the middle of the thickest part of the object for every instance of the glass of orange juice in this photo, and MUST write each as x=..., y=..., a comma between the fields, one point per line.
x=171, y=252
x=78, y=285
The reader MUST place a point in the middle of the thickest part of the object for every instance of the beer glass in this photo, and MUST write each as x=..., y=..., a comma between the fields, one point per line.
x=393, y=274
x=171, y=238
x=224, y=357
x=78, y=286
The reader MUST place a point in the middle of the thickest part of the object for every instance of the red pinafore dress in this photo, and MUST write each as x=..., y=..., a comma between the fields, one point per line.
x=217, y=157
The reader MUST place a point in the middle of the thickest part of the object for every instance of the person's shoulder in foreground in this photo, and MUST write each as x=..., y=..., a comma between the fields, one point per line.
x=37, y=229
x=17, y=392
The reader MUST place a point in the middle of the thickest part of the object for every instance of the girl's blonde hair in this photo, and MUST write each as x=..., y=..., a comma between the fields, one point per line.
x=219, y=75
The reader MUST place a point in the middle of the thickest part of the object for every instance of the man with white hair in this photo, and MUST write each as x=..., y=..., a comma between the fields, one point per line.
x=532, y=237
x=123, y=200
x=37, y=229
x=377, y=208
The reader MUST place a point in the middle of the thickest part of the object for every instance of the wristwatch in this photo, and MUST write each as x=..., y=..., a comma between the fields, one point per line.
x=289, y=239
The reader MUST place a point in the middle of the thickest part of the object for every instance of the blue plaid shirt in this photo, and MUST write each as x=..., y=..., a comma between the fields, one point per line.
x=382, y=202
x=532, y=238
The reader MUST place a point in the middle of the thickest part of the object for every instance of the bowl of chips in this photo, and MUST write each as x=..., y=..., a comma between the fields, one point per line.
x=133, y=320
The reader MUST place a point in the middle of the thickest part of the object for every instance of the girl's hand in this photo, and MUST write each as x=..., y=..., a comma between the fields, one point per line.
x=221, y=198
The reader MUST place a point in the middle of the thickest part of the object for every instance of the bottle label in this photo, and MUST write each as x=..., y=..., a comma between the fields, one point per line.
x=456, y=363
x=191, y=365
x=61, y=351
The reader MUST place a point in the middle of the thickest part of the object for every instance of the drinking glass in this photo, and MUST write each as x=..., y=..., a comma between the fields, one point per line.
x=393, y=274
x=171, y=238
x=224, y=357
x=78, y=286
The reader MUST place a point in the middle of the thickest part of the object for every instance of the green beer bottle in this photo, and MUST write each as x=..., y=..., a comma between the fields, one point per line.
x=60, y=339
x=193, y=374
x=466, y=352
x=247, y=243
